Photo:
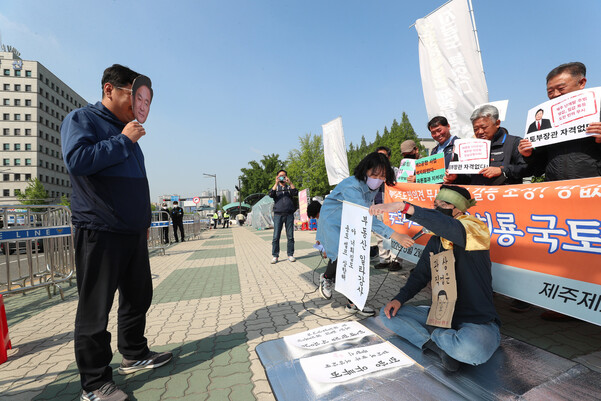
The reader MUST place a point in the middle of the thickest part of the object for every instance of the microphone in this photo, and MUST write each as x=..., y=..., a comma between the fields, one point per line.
x=422, y=232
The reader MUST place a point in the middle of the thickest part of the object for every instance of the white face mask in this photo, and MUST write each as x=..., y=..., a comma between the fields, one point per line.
x=373, y=183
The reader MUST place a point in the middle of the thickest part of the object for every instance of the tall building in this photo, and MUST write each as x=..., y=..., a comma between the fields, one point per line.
x=34, y=103
x=227, y=194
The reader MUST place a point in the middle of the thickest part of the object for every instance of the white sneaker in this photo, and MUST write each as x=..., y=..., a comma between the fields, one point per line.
x=274, y=260
x=325, y=287
x=291, y=259
x=366, y=312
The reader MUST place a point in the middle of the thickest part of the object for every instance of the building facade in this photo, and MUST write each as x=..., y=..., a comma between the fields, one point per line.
x=34, y=102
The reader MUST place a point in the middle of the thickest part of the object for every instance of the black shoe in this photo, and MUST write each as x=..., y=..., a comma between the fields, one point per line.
x=107, y=392
x=450, y=364
x=373, y=251
x=520, y=306
x=152, y=360
x=395, y=267
x=382, y=266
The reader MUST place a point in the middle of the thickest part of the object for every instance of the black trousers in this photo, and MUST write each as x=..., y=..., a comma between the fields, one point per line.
x=106, y=262
x=165, y=235
x=330, y=272
x=178, y=225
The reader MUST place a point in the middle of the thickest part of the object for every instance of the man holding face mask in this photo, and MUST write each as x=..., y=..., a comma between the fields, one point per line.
x=283, y=193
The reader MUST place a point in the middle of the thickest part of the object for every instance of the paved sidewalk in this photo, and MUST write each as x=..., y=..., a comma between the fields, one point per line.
x=215, y=299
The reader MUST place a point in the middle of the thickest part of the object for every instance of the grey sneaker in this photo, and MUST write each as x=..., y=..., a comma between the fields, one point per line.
x=274, y=260
x=325, y=287
x=366, y=312
x=291, y=259
x=107, y=392
x=151, y=361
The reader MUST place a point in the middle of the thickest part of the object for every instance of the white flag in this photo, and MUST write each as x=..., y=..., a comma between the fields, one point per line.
x=451, y=68
x=334, y=150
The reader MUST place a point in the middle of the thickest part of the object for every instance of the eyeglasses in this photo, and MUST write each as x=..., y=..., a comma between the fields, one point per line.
x=125, y=89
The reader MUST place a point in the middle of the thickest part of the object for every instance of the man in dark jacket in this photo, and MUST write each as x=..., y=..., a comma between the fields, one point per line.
x=283, y=192
x=106, y=166
x=474, y=333
x=177, y=216
x=164, y=216
x=579, y=158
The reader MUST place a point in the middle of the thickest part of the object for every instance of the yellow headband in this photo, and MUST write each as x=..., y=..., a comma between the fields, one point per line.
x=455, y=198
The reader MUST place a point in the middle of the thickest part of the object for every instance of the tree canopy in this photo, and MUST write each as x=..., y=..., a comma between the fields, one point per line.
x=34, y=194
x=260, y=176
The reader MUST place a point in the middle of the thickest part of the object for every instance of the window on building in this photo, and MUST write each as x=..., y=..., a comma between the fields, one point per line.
x=6, y=177
x=17, y=102
x=6, y=192
x=28, y=162
x=17, y=73
x=17, y=146
x=17, y=177
x=41, y=148
x=17, y=87
x=27, y=146
x=17, y=192
x=28, y=131
x=6, y=116
x=6, y=162
x=17, y=162
x=6, y=87
x=27, y=117
x=17, y=131
x=6, y=72
x=27, y=88
x=27, y=102
x=6, y=102
x=17, y=117
x=6, y=146
x=27, y=177
x=5, y=131
x=28, y=73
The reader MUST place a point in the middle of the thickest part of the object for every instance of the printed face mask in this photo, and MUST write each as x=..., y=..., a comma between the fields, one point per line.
x=374, y=183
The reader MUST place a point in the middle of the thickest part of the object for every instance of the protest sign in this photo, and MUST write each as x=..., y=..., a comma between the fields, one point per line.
x=473, y=155
x=564, y=118
x=444, y=289
x=327, y=335
x=341, y=366
x=545, y=239
x=302, y=204
x=406, y=169
x=352, y=274
x=430, y=170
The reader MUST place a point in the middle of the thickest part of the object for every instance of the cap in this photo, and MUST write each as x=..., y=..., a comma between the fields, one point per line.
x=407, y=146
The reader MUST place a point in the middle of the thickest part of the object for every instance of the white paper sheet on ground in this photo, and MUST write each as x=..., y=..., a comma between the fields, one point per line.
x=326, y=335
x=352, y=271
x=341, y=366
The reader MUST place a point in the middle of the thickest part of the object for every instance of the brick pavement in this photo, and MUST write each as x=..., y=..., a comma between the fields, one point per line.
x=216, y=298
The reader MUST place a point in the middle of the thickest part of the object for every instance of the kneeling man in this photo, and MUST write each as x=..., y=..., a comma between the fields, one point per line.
x=474, y=333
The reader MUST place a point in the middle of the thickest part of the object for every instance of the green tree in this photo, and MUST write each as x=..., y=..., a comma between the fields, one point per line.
x=224, y=202
x=260, y=177
x=306, y=166
x=35, y=193
x=65, y=201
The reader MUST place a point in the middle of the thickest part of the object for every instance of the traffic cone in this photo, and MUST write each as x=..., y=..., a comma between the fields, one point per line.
x=4, y=339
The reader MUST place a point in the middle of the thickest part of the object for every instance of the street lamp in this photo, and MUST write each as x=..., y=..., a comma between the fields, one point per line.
x=215, y=177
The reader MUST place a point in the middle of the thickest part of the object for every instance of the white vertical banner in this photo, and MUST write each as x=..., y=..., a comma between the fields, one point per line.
x=334, y=149
x=352, y=271
x=451, y=68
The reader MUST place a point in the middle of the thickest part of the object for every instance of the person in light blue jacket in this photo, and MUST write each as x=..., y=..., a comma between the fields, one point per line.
x=361, y=189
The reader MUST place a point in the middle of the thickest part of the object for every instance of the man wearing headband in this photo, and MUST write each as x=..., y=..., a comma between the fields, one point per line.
x=474, y=334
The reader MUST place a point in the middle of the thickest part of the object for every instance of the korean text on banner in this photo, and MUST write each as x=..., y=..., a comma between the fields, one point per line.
x=352, y=272
x=564, y=118
x=430, y=169
x=451, y=69
x=473, y=155
x=545, y=239
x=334, y=149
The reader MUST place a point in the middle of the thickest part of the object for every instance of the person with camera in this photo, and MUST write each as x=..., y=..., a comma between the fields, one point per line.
x=283, y=193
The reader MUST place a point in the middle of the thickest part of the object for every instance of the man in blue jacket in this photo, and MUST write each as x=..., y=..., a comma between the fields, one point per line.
x=283, y=193
x=111, y=215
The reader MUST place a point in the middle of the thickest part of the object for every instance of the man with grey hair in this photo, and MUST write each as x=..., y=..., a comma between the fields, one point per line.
x=579, y=158
x=506, y=165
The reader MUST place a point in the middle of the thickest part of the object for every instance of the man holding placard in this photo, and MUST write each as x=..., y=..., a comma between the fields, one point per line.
x=505, y=163
x=462, y=325
x=578, y=158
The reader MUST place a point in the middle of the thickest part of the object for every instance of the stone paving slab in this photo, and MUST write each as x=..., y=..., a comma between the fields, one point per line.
x=216, y=299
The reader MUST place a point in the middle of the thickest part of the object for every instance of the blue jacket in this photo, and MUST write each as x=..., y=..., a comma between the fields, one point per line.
x=110, y=189
x=328, y=230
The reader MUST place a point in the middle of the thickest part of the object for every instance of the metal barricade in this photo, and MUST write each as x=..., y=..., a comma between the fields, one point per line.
x=161, y=221
x=37, y=246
